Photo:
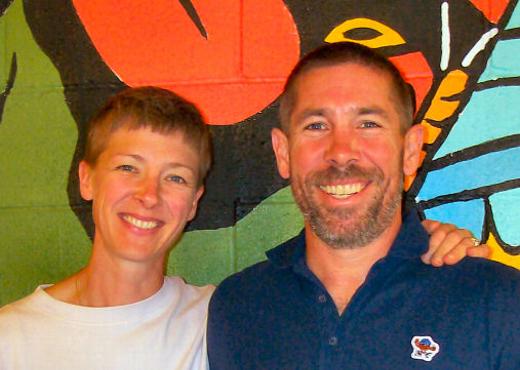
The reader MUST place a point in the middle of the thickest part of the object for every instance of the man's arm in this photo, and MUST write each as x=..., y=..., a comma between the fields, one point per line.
x=449, y=244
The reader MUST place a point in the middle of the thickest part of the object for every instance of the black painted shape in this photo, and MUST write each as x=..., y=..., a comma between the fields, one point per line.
x=192, y=13
x=9, y=85
x=244, y=169
x=86, y=79
x=361, y=34
x=474, y=71
x=4, y=4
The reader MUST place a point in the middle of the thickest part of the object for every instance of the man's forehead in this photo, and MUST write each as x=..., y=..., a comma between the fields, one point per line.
x=341, y=81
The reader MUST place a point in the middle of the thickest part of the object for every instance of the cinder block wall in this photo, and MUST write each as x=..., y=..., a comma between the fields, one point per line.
x=61, y=59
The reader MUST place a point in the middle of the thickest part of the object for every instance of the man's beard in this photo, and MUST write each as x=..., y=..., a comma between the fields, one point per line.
x=364, y=225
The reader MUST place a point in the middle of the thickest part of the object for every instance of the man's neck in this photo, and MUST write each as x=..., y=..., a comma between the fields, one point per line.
x=342, y=271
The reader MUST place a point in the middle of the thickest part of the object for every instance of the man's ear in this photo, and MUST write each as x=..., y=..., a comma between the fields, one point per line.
x=413, y=141
x=85, y=173
x=195, y=204
x=281, y=151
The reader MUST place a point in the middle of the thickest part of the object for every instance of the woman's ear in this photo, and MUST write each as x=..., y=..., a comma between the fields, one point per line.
x=85, y=173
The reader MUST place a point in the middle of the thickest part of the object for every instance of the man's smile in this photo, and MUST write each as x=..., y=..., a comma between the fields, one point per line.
x=343, y=191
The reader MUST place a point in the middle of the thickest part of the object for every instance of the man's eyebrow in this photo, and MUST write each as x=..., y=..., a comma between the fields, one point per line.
x=310, y=112
x=363, y=111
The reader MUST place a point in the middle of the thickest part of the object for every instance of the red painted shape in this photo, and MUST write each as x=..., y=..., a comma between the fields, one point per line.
x=492, y=9
x=236, y=72
x=417, y=72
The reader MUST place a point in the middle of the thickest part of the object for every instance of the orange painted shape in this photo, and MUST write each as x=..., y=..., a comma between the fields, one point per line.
x=430, y=132
x=409, y=179
x=417, y=72
x=492, y=9
x=157, y=43
x=441, y=108
x=498, y=254
x=262, y=39
x=222, y=107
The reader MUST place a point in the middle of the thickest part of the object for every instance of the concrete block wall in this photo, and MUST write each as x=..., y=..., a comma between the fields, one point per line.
x=60, y=59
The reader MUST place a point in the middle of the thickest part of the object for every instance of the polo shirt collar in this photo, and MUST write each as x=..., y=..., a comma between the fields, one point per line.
x=411, y=242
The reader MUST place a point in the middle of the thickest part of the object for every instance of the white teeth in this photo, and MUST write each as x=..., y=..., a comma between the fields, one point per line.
x=342, y=191
x=139, y=223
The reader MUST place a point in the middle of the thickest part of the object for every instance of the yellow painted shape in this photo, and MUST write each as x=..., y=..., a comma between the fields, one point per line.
x=387, y=37
x=498, y=254
x=441, y=109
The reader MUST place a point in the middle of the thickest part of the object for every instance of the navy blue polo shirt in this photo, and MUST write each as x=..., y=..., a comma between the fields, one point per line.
x=406, y=315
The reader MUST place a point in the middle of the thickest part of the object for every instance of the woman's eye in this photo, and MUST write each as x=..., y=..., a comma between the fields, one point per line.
x=126, y=168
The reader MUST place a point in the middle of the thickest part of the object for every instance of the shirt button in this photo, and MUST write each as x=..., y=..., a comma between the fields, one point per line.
x=333, y=341
x=322, y=298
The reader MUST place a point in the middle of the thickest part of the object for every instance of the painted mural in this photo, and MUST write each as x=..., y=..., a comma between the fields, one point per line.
x=63, y=58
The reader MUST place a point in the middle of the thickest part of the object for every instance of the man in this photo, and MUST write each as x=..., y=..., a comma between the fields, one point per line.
x=350, y=292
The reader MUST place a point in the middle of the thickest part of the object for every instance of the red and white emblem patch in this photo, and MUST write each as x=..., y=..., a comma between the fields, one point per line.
x=424, y=348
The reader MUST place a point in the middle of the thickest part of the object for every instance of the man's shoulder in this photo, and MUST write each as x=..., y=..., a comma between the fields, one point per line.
x=251, y=277
x=471, y=277
x=492, y=271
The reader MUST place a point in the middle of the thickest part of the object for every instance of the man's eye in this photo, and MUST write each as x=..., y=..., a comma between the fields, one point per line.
x=370, y=124
x=315, y=126
x=126, y=168
x=176, y=179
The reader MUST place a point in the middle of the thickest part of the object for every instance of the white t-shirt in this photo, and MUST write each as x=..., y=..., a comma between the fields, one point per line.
x=164, y=331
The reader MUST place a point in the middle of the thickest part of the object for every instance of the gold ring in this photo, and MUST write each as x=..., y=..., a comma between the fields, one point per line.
x=475, y=242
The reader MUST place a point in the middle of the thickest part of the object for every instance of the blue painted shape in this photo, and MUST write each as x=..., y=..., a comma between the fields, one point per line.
x=506, y=213
x=468, y=215
x=514, y=21
x=490, y=114
x=503, y=61
x=488, y=169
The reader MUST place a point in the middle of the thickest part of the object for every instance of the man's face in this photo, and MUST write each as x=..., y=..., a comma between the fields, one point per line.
x=144, y=188
x=345, y=153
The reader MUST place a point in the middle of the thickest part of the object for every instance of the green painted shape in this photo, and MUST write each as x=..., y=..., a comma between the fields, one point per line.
x=274, y=221
x=41, y=239
x=33, y=251
x=4, y=57
x=208, y=256
x=203, y=256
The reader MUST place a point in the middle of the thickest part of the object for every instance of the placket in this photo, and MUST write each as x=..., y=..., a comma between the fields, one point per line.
x=329, y=326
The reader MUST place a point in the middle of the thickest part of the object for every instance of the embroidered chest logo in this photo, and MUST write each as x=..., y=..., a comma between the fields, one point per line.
x=424, y=348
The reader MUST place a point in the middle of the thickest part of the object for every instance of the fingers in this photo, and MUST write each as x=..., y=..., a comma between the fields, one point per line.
x=481, y=251
x=430, y=225
x=448, y=244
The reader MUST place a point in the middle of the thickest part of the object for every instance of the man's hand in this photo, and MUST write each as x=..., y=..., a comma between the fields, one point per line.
x=449, y=245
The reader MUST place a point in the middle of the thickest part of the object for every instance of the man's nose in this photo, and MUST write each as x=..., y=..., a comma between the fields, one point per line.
x=343, y=148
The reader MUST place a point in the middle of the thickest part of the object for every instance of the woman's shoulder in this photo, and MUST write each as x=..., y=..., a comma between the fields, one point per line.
x=188, y=291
